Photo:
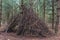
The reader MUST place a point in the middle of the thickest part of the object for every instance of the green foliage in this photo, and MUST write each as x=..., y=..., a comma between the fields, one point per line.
x=11, y=7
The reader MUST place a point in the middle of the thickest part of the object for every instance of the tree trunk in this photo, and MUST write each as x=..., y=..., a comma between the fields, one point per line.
x=52, y=14
x=57, y=23
x=0, y=11
x=44, y=10
x=57, y=19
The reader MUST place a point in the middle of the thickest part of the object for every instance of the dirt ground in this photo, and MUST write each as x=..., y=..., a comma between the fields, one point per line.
x=12, y=36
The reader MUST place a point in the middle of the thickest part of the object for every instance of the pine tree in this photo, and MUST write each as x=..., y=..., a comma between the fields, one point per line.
x=57, y=19
x=44, y=10
x=0, y=11
x=52, y=14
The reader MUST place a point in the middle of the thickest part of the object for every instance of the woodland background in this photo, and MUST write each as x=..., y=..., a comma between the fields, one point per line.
x=46, y=9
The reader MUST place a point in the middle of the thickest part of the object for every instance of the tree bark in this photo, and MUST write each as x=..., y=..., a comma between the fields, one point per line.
x=44, y=10
x=57, y=19
x=52, y=14
x=57, y=23
x=0, y=11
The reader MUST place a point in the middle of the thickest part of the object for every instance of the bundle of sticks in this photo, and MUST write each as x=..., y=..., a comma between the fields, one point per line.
x=28, y=23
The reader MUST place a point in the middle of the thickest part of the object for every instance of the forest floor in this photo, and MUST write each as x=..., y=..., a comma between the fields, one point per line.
x=12, y=36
